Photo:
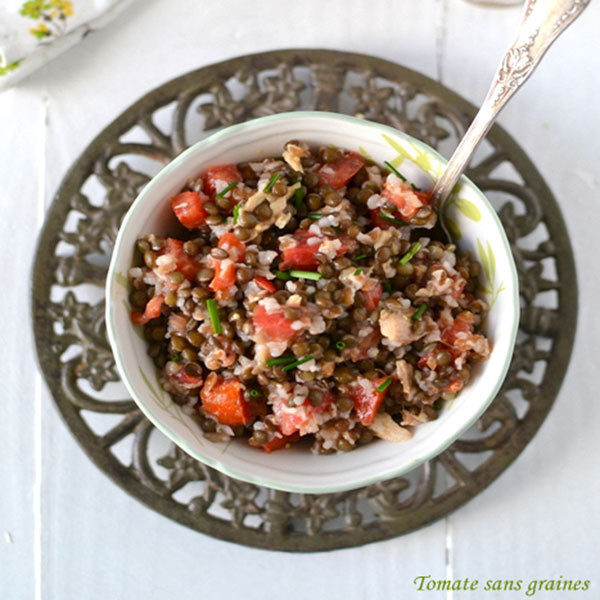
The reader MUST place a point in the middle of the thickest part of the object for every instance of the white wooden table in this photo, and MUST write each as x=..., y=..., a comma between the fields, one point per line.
x=68, y=533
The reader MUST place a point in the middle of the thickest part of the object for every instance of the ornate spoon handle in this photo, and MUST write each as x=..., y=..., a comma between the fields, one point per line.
x=542, y=22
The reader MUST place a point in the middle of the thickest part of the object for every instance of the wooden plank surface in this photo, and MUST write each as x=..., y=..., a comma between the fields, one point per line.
x=74, y=534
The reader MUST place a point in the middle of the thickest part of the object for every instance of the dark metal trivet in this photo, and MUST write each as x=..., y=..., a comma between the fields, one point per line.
x=80, y=230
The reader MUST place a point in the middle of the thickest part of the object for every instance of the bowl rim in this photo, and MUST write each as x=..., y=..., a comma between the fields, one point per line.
x=111, y=282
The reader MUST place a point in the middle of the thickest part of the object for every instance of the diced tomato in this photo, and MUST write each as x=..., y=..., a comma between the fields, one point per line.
x=151, y=311
x=265, y=284
x=186, y=264
x=382, y=223
x=274, y=326
x=302, y=419
x=460, y=333
x=224, y=275
x=454, y=386
x=188, y=381
x=218, y=178
x=302, y=255
x=189, y=208
x=372, y=297
x=280, y=442
x=367, y=399
x=235, y=247
x=407, y=200
x=224, y=399
x=361, y=350
x=339, y=173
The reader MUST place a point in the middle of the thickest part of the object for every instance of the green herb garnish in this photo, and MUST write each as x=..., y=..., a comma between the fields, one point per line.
x=298, y=198
x=394, y=170
x=419, y=312
x=414, y=187
x=314, y=215
x=272, y=182
x=387, y=286
x=411, y=252
x=282, y=360
x=385, y=385
x=176, y=357
x=360, y=257
x=337, y=229
x=227, y=189
x=306, y=275
x=358, y=271
x=340, y=345
x=297, y=362
x=282, y=275
x=213, y=315
x=236, y=213
x=437, y=405
x=391, y=219
x=256, y=394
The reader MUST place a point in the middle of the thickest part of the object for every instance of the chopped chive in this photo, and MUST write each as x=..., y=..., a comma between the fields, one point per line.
x=414, y=187
x=358, y=271
x=337, y=229
x=297, y=362
x=282, y=275
x=411, y=252
x=385, y=385
x=314, y=215
x=298, y=198
x=340, y=345
x=213, y=315
x=236, y=213
x=255, y=393
x=387, y=286
x=395, y=171
x=272, y=182
x=306, y=275
x=360, y=257
x=175, y=357
x=282, y=360
x=419, y=312
x=227, y=189
x=391, y=219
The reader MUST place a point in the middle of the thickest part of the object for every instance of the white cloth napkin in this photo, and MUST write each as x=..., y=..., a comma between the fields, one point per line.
x=33, y=32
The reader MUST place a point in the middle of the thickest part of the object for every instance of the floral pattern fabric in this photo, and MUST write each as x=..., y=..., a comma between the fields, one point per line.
x=32, y=32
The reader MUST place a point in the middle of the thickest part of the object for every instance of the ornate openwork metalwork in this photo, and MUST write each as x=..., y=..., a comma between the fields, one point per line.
x=75, y=247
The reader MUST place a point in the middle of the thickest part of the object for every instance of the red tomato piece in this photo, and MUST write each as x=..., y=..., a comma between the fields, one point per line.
x=265, y=284
x=302, y=255
x=151, y=311
x=224, y=399
x=218, y=178
x=235, y=247
x=186, y=264
x=454, y=386
x=372, y=297
x=339, y=173
x=407, y=200
x=367, y=399
x=274, y=326
x=189, y=208
x=460, y=333
x=224, y=275
x=301, y=419
x=280, y=442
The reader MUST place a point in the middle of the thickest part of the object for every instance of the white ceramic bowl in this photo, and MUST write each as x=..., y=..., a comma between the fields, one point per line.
x=475, y=227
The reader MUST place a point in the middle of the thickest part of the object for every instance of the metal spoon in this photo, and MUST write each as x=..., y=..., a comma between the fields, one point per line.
x=542, y=22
